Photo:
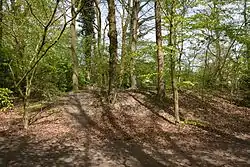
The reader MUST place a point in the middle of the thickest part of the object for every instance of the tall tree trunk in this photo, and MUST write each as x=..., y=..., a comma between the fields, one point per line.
x=124, y=22
x=217, y=73
x=182, y=33
x=112, y=48
x=98, y=53
x=73, y=47
x=160, y=54
x=172, y=45
x=133, y=45
x=88, y=17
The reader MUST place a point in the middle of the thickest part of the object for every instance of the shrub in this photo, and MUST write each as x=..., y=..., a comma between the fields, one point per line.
x=5, y=99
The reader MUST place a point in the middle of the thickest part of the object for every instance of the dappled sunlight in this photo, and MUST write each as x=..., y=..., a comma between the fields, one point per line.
x=89, y=132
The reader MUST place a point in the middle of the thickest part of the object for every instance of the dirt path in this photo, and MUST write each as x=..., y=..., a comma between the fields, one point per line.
x=137, y=132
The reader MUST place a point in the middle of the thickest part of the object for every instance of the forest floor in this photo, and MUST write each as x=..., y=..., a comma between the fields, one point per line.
x=80, y=129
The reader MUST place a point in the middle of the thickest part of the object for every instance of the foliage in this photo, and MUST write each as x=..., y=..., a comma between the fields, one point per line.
x=6, y=101
x=205, y=43
x=186, y=85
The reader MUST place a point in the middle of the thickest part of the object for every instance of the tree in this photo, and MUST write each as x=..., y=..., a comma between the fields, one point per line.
x=112, y=49
x=36, y=35
x=99, y=25
x=160, y=53
x=125, y=18
x=134, y=35
x=172, y=48
x=73, y=46
x=87, y=20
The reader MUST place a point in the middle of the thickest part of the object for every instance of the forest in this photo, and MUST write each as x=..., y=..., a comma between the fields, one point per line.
x=124, y=83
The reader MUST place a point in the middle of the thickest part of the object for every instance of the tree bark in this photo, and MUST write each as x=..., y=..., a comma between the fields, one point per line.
x=87, y=17
x=172, y=45
x=99, y=25
x=160, y=54
x=246, y=25
x=112, y=48
x=25, y=104
x=26, y=96
x=73, y=47
x=133, y=45
x=124, y=23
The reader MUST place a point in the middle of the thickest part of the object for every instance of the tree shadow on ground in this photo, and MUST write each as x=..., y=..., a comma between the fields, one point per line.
x=102, y=135
x=44, y=111
x=25, y=148
x=152, y=105
x=219, y=121
x=221, y=132
x=21, y=150
x=118, y=141
x=124, y=140
x=220, y=116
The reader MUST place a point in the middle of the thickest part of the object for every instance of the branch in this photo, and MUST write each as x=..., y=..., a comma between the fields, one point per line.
x=51, y=45
x=144, y=5
x=31, y=11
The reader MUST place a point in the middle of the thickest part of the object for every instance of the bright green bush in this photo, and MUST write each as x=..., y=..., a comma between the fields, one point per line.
x=5, y=99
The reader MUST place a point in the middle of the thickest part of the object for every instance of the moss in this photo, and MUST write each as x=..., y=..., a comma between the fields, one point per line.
x=194, y=122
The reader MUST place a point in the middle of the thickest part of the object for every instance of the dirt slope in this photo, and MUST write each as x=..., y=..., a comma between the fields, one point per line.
x=82, y=130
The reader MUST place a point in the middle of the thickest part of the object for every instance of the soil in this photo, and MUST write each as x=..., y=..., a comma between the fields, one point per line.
x=81, y=129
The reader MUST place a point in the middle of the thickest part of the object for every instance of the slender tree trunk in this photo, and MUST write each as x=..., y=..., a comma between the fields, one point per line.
x=172, y=44
x=98, y=53
x=25, y=104
x=99, y=25
x=105, y=78
x=104, y=36
x=26, y=97
x=124, y=23
x=204, y=75
x=246, y=25
x=73, y=47
x=219, y=59
x=112, y=48
x=25, y=114
x=160, y=54
x=179, y=61
x=134, y=35
x=217, y=73
x=182, y=33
